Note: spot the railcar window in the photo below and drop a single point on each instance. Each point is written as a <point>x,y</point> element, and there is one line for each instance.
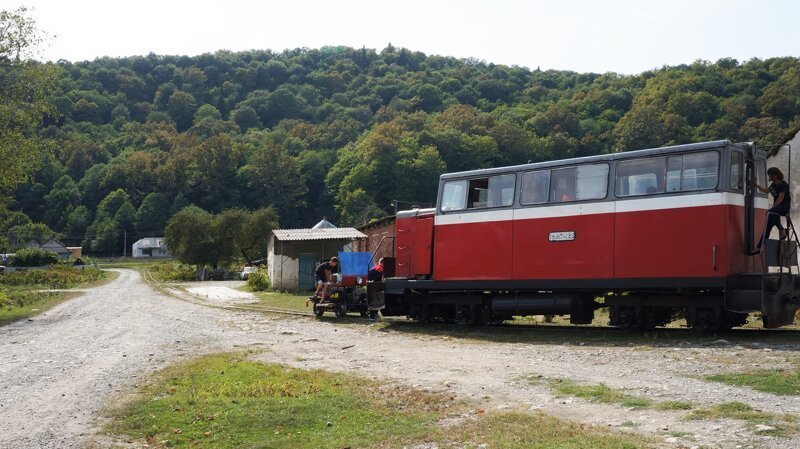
<point>592,182</point>
<point>737,171</point>
<point>641,177</point>
<point>501,190</point>
<point>700,171</point>
<point>562,185</point>
<point>535,185</point>
<point>761,175</point>
<point>696,171</point>
<point>587,182</point>
<point>674,165</point>
<point>478,195</point>
<point>454,196</point>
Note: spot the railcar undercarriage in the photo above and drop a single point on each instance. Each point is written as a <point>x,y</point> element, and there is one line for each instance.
<point>776,297</point>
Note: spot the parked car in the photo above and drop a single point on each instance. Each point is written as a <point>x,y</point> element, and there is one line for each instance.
<point>218,274</point>
<point>246,272</point>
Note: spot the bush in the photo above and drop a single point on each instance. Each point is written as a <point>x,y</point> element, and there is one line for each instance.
<point>170,272</point>
<point>57,277</point>
<point>258,281</point>
<point>34,257</point>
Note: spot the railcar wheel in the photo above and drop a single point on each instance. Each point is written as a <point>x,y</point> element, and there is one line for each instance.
<point>318,311</point>
<point>364,313</point>
<point>340,310</point>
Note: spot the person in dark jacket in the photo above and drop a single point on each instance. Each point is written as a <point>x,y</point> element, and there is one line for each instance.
<point>323,276</point>
<point>781,206</point>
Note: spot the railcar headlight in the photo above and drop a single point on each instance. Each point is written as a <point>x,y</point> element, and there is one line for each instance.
<point>359,281</point>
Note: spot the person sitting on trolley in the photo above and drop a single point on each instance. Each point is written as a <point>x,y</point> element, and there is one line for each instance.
<point>323,276</point>
<point>782,203</point>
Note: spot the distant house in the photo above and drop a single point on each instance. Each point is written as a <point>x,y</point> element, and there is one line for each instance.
<point>293,254</point>
<point>54,246</point>
<point>150,247</point>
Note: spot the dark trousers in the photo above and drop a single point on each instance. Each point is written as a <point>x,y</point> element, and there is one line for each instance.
<point>773,220</point>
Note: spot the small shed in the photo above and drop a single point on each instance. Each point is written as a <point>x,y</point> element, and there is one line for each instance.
<point>54,246</point>
<point>293,254</point>
<point>150,247</point>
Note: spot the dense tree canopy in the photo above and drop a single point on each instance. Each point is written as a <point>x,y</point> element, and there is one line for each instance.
<point>345,132</point>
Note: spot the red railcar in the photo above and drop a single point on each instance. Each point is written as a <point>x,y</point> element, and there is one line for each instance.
<point>652,234</point>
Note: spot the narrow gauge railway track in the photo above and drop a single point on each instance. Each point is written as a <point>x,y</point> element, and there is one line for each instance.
<point>184,295</point>
<point>738,332</point>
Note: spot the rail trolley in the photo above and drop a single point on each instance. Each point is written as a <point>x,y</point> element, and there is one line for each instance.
<point>654,235</point>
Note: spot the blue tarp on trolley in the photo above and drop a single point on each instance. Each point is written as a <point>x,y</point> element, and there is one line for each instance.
<point>354,263</point>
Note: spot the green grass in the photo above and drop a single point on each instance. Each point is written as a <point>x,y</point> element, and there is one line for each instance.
<point>283,300</point>
<point>674,405</point>
<point>607,395</point>
<point>781,382</point>
<point>24,301</point>
<point>226,401</point>
<point>599,393</point>
<point>37,302</point>
<point>535,431</point>
<point>783,424</point>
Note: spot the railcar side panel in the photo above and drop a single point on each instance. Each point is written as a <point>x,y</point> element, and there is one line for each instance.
<point>678,242</point>
<point>473,246</point>
<point>577,246</point>
<point>423,248</point>
<point>406,229</point>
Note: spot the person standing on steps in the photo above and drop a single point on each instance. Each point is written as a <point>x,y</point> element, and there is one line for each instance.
<point>781,206</point>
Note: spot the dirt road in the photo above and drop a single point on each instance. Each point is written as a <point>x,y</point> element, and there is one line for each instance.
<point>58,370</point>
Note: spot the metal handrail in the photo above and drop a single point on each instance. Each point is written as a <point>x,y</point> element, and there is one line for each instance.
<point>372,257</point>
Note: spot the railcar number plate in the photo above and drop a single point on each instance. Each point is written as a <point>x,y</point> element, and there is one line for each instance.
<point>562,236</point>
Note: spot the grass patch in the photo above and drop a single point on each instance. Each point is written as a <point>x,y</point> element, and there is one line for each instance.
<point>781,424</point>
<point>23,294</point>
<point>781,382</point>
<point>674,405</point>
<point>284,300</point>
<point>225,401</point>
<point>599,393</point>
<point>34,304</point>
<point>536,431</point>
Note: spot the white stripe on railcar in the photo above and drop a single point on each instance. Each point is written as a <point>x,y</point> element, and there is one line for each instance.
<point>606,207</point>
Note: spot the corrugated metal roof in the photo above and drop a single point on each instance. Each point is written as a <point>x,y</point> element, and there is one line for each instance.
<point>324,224</point>
<point>318,234</point>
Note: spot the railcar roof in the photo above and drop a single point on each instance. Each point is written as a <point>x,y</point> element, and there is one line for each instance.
<point>589,159</point>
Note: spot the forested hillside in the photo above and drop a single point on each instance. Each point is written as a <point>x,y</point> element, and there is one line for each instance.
<point>343,132</point>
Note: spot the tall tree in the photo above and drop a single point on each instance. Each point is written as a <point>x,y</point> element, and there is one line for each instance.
<point>25,91</point>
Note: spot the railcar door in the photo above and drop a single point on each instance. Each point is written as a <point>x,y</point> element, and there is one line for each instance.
<point>670,219</point>
<point>564,228</point>
<point>474,228</point>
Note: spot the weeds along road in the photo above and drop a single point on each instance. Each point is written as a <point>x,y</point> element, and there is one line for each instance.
<point>59,370</point>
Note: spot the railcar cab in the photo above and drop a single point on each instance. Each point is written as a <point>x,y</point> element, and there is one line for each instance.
<point>657,234</point>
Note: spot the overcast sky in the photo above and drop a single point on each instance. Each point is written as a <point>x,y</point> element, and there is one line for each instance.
<point>624,36</point>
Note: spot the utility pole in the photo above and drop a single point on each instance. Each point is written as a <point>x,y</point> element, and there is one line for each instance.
<point>125,244</point>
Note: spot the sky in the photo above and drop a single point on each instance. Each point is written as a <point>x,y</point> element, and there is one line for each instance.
<point>622,36</point>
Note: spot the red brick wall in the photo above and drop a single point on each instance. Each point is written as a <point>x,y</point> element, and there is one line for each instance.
<point>374,237</point>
